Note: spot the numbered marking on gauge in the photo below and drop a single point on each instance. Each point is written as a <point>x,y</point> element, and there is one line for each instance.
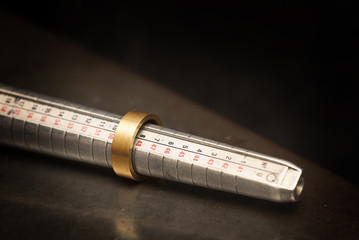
<point>209,157</point>
<point>50,116</point>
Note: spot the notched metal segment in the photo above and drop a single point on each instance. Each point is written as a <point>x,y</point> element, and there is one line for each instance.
<point>45,139</point>
<point>184,172</point>
<point>214,178</point>
<point>5,129</point>
<point>85,149</point>
<point>31,136</point>
<point>228,182</point>
<point>141,162</point>
<point>99,152</point>
<point>199,175</point>
<point>155,165</point>
<point>170,168</point>
<point>18,133</point>
<point>58,142</point>
<point>71,145</point>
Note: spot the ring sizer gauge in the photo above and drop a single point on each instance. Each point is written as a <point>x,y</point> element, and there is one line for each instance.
<point>136,146</point>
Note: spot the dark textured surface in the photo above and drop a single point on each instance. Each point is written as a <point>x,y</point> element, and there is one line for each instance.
<point>43,197</point>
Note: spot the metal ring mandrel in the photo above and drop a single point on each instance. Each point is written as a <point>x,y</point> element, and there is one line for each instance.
<point>122,145</point>
<point>135,149</point>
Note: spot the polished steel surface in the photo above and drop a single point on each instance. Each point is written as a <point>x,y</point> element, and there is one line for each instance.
<point>181,157</point>
<point>72,131</point>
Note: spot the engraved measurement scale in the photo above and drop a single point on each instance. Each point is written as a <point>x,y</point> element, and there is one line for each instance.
<point>136,146</point>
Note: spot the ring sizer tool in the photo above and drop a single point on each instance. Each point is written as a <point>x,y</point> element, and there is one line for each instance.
<point>136,145</point>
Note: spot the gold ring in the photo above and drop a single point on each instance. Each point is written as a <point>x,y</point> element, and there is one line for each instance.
<point>124,138</point>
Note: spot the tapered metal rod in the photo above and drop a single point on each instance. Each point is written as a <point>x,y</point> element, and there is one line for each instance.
<point>135,146</point>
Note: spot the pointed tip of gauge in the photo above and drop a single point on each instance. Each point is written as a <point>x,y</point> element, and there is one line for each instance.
<point>299,188</point>
<point>292,195</point>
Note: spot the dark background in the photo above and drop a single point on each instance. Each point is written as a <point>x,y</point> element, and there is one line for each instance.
<point>286,71</point>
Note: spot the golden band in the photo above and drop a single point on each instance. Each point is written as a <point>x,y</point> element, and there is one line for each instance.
<point>122,145</point>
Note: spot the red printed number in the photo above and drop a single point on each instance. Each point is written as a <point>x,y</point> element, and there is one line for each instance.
<point>57,121</point>
<point>181,154</point>
<point>111,136</point>
<point>196,158</point>
<point>153,147</point>
<point>139,143</point>
<point>167,151</point>
<point>70,125</point>
<point>225,165</point>
<point>3,108</point>
<point>17,111</point>
<point>97,132</point>
<point>210,162</point>
<point>43,118</point>
<point>84,128</point>
<point>30,115</point>
<point>240,169</point>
